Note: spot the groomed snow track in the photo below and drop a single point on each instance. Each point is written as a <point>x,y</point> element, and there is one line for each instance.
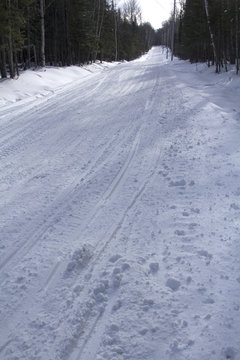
<point>119,217</point>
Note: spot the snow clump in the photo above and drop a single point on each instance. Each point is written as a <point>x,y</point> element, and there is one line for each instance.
<point>79,259</point>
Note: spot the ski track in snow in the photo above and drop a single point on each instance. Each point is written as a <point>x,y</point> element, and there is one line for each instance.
<point>119,215</point>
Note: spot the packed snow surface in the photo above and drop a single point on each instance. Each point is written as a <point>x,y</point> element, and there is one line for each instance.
<point>120,213</point>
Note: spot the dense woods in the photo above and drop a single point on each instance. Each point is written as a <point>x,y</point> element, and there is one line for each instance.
<point>205,30</point>
<point>67,32</point>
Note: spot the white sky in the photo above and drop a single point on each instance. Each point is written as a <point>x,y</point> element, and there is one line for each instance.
<point>156,11</point>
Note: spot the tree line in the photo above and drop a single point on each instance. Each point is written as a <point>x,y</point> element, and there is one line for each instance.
<point>69,32</point>
<point>205,31</point>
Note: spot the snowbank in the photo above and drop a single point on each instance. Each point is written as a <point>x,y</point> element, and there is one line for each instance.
<point>44,82</point>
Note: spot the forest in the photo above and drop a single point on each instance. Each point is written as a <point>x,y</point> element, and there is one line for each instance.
<point>204,31</point>
<point>69,32</point>
<point>72,32</point>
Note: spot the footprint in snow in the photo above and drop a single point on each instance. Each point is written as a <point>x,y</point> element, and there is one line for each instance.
<point>79,259</point>
<point>99,292</point>
<point>229,353</point>
<point>147,304</point>
<point>234,206</point>
<point>205,254</point>
<point>208,301</point>
<point>180,232</point>
<point>173,284</point>
<point>196,210</point>
<point>116,278</point>
<point>115,258</point>
<point>177,183</point>
<point>154,267</point>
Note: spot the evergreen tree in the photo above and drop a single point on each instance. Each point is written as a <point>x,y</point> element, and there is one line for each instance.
<point>66,32</point>
<point>206,30</point>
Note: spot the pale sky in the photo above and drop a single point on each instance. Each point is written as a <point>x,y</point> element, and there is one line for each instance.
<point>154,11</point>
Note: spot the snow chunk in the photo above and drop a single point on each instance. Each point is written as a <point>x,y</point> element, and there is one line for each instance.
<point>209,301</point>
<point>116,278</point>
<point>99,292</point>
<point>205,254</point>
<point>178,183</point>
<point>229,353</point>
<point>235,206</point>
<point>79,259</point>
<point>173,284</point>
<point>125,266</point>
<point>180,232</point>
<point>154,267</point>
<point>115,258</point>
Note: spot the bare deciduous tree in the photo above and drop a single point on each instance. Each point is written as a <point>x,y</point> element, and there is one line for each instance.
<point>132,11</point>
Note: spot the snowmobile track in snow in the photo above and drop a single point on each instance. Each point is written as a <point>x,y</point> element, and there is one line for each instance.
<point>120,218</point>
<point>28,244</point>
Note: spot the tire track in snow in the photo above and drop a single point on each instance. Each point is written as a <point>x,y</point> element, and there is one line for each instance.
<point>118,178</point>
<point>3,347</point>
<point>57,267</point>
<point>102,245</point>
<point>107,195</point>
<point>116,181</point>
<point>25,247</point>
<point>112,187</point>
<point>112,234</point>
<point>115,184</point>
<point>12,132</point>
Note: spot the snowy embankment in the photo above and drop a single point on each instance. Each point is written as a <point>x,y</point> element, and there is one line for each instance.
<point>39,83</point>
<point>120,215</point>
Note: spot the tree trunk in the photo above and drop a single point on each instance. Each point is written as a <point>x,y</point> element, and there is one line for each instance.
<point>173,29</point>
<point>99,26</point>
<point>211,35</point>
<point>28,39</point>
<point>68,59</point>
<point>10,43</point>
<point>43,59</point>
<point>115,32</point>
<point>237,39</point>
<point>3,69</point>
<point>16,63</point>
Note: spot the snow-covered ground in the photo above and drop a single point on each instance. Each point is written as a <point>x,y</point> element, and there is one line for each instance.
<point>120,213</point>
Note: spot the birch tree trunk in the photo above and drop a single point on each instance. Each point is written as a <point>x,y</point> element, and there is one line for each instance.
<point>211,35</point>
<point>115,31</point>
<point>28,39</point>
<point>99,25</point>
<point>10,43</point>
<point>173,29</point>
<point>43,59</point>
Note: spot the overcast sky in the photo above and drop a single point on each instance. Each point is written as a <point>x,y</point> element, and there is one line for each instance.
<point>154,11</point>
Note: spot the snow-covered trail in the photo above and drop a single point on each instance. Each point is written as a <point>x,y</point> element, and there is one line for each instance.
<point>119,213</point>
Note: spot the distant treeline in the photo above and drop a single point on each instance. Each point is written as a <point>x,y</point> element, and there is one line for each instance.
<point>206,31</point>
<point>69,32</point>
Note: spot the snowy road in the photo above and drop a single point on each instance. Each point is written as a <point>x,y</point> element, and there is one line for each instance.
<point>119,215</point>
